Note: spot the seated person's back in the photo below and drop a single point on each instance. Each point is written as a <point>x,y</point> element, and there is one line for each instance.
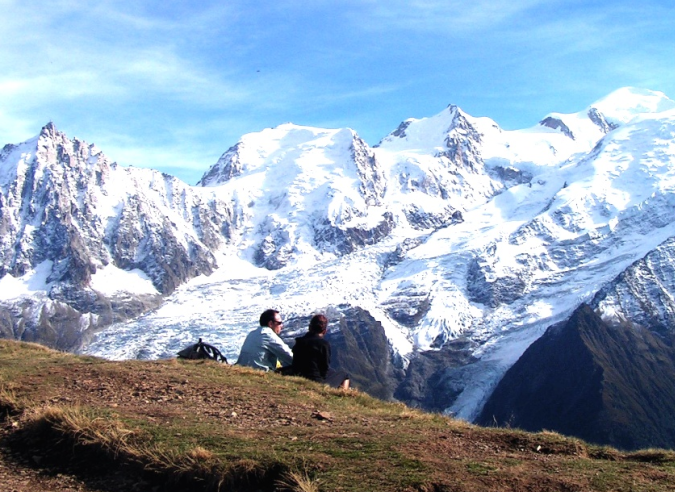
<point>311,356</point>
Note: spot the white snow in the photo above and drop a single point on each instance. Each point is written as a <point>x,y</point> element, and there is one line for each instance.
<point>626,103</point>
<point>32,283</point>
<point>111,280</point>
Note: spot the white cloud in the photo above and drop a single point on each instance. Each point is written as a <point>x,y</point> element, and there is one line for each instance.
<point>456,17</point>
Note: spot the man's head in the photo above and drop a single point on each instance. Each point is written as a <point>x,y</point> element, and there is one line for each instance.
<point>272,319</point>
<point>318,324</point>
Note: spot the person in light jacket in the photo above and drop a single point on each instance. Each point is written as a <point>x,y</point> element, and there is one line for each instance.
<point>263,348</point>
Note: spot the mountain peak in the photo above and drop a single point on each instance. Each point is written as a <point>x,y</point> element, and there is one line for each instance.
<point>625,103</point>
<point>49,130</point>
<point>429,132</point>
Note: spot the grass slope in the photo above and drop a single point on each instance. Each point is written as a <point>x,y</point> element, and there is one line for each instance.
<point>215,427</point>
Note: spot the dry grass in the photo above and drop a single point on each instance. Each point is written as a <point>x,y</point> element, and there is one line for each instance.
<point>83,426</point>
<point>9,403</point>
<point>209,427</point>
<point>109,438</point>
<point>297,482</point>
<point>653,456</point>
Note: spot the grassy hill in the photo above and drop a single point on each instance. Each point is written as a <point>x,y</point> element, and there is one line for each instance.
<point>205,426</point>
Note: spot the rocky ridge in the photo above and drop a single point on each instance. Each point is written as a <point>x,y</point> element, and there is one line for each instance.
<point>605,384</point>
<point>68,212</point>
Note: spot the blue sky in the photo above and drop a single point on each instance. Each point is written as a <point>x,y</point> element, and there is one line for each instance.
<point>172,84</point>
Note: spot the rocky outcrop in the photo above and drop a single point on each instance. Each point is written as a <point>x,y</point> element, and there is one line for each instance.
<point>345,240</point>
<point>605,384</point>
<point>643,293</point>
<point>372,182</point>
<point>229,165</point>
<point>433,379</point>
<point>557,124</point>
<point>421,219</point>
<point>360,347</point>
<point>69,206</point>
<point>599,119</point>
<point>463,142</point>
<point>486,287</point>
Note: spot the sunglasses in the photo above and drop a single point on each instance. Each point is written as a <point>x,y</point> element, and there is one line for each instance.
<point>275,322</point>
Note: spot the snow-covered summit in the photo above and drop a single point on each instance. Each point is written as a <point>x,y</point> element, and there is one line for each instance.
<point>624,104</point>
<point>70,221</point>
<point>301,191</point>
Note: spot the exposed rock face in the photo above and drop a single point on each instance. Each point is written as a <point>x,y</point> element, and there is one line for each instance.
<point>361,348</point>
<point>486,288</point>
<point>400,131</point>
<point>63,202</point>
<point>372,182</point>
<point>408,305</point>
<point>557,124</point>
<point>228,166</point>
<point>599,119</point>
<point>432,380</point>
<point>606,384</point>
<point>423,220</point>
<point>347,240</point>
<point>463,143</point>
<point>511,176</point>
<point>643,293</point>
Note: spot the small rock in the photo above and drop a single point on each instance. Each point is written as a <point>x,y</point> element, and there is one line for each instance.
<point>322,415</point>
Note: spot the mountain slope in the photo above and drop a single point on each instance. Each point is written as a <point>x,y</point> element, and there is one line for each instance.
<point>608,385</point>
<point>93,242</point>
<point>457,241</point>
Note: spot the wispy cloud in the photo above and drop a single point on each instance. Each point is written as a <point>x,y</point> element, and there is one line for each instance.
<point>456,17</point>
<point>184,79</point>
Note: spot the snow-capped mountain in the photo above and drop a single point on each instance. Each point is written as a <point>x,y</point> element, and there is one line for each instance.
<point>456,241</point>
<point>302,192</point>
<point>86,242</point>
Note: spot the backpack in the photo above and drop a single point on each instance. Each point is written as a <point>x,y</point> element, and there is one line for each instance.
<point>201,350</point>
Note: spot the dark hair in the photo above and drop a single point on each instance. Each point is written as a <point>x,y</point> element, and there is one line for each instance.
<point>318,324</point>
<point>267,316</point>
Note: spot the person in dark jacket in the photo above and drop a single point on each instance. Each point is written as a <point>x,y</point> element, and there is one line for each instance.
<point>311,356</point>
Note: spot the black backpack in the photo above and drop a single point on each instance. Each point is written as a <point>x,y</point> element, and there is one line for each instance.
<point>201,350</point>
